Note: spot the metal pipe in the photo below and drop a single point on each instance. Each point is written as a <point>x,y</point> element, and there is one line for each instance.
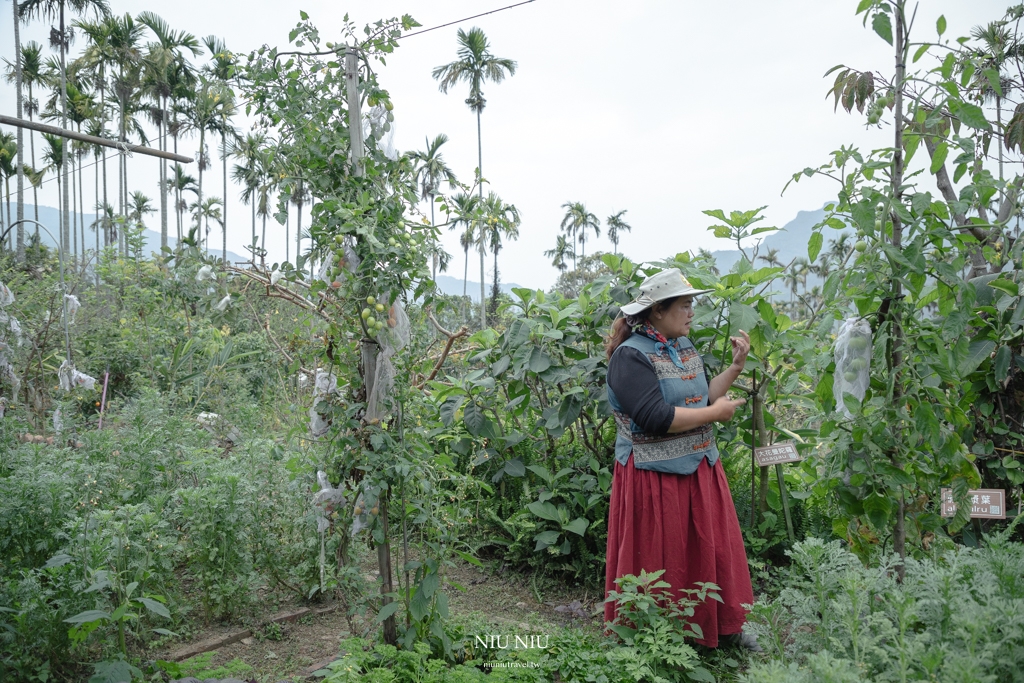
<point>82,137</point>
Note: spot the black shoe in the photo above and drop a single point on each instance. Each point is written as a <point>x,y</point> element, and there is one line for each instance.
<point>745,640</point>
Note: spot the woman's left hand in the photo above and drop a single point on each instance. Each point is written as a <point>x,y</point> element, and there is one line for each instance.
<point>740,349</point>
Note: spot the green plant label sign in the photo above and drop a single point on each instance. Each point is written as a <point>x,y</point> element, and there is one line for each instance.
<point>985,503</point>
<point>776,454</point>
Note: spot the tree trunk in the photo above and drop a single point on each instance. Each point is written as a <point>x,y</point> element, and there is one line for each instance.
<point>162,129</point>
<point>896,357</point>
<point>483,298</point>
<point>199,200</point>
<point>433,257</point>
<point>480,184</point>
<point>224,205</point>
<point>20,140</point>
<point>65,214</point>
<point>32,147</point>
<point>97,224</point>
<point>81,198</point>
<point>74,211</point>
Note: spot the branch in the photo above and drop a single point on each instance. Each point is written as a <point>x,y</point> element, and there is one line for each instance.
<point>463,331</point>
<point>265,324</point>
<point>949,194</point>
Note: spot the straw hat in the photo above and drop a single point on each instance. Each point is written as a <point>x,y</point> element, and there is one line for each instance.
<point>664,285</point>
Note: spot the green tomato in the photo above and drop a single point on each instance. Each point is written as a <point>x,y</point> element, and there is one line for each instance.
<point>371,321</point>
<point>850,376</point>
<point>379,307</point>
<point>370,300</point>
<point>858,343</point>
<point>365,313</point>
<point>861,246</point>
<point>858,364</point>
<point>339,238</point>
<point>392,242</point>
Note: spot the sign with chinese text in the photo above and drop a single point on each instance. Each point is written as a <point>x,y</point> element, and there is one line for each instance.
<point>985,503</point>
<point>776,454</point>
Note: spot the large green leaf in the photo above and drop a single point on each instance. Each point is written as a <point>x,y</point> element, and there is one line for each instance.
<point>87,616</point>
<point>539,361</point>
<point>546,538</point>
<point>883,26</point>
<point>976,354</point>
<point>449,408</point>
<point>742,317</point>
<point>577,526</point>
<point>429,585</point>
<point>476,421</point>
<point>387,611</point>
<point>544,510</point>
<point>814,245</point>
<point>156,607</point>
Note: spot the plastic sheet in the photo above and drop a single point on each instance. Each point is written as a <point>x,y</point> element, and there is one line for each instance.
<point>6,296</point>
<point>73,304</point>
<point>70,378</point>
<point>206,273</point>
<point>324,387</point>
<point>853,362</point>
<point>58,421</point>
<point>222,305</point>
<point>392,340</point>
<point>275,277</point>
<point>219,427</point>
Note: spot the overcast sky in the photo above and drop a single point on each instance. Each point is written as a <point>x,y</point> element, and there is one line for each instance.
<point>661,108</point>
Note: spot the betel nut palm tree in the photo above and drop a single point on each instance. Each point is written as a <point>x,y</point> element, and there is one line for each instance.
<point>160,62</point>
<point>577,222</point>
<point>430,171</point>
<point>475,66</point>
<point>60,39</point>
<point>616,225</point>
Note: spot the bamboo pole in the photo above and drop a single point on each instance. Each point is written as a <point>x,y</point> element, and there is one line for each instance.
<point>92,139</point>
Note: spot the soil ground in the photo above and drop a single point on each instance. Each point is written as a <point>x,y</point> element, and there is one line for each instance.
<point>294,650</point>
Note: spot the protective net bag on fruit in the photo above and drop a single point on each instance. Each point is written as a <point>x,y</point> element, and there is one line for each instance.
<point>324,387</point>
<point>70,378</point>
<point>73,304</point>
<point>853,362</point>
<point>392,338</point>
<point>325,502</point>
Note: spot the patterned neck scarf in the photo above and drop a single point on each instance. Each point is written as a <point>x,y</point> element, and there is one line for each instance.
<point>661,344</point>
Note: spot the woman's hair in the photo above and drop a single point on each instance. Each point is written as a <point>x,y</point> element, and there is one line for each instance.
<point>622,328</point>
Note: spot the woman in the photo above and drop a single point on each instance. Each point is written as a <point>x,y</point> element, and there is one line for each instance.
<point>671,507</point>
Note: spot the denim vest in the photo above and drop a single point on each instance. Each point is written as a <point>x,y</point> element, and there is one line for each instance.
<point>687,388</point>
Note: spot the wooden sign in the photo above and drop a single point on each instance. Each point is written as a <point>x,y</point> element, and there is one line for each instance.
<point>985,503</point>
<point>776,454</point>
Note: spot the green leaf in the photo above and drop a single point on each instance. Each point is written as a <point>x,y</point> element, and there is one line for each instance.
<point>976,354</point>
<point>742,317</point>
<point>940,24</point>
<point>864,5</point>
<point>544,510</point>
<point>700,674</point>
<point>476,421</point>
<point>920,51</point>
<point>883,26</point>
<point>546,538</point>
<point>419,606</point>
<point>469,558</point>
<point>303,15</point>
<point>1002,364</point>
<point>449,408</point>
<point>721,231</point>
<point>814,245</point>
<point>156,607</point>
<point>388,610</point>
<point>939,158</point>
<point>539,361</point>
<point>569,410</point>
<point>993,80</point>
<point>58,560</point>
<point>430,584</point>
<point>970,115</point>
<point>515,468</point>
<point>115,671</point>
<point>87,616</point>
<point>1004,285</point>
<point>577,526</point>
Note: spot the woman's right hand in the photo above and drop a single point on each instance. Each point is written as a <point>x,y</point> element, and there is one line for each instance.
<point>727,407</point>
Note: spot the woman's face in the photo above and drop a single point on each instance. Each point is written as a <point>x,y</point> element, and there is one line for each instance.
<point>674,320</point>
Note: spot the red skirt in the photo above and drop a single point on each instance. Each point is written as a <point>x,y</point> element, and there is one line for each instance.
<point>686,525</point>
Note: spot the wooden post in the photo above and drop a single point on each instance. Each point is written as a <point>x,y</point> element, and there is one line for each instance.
<point>355,119</point>
<point>784,495</point>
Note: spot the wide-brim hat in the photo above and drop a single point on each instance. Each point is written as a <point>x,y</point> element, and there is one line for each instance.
<point>664,285</point>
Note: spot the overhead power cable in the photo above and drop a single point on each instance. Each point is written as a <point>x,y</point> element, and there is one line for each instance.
<point>459,21</point>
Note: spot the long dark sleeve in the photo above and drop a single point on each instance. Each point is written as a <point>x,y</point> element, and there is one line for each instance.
<point>631,376</point>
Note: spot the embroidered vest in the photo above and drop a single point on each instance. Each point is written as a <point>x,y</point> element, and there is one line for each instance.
<point>688,388</point>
